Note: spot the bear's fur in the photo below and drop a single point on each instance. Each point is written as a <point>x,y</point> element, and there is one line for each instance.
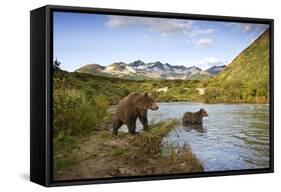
<point>133,106</point>
<point>194,118</point>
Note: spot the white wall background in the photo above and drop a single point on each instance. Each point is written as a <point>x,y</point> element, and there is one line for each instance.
<point>14,96</point>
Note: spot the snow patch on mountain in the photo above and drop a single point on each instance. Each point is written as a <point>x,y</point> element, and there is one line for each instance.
<point>154,70</point>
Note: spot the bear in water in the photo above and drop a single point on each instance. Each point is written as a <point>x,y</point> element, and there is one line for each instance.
<point>194,118</point>
<point>133,106</point>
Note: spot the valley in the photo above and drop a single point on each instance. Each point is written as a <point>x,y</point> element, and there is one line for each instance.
<point>244,80</point>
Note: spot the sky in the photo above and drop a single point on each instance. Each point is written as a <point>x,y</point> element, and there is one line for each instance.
<point>81,38</point>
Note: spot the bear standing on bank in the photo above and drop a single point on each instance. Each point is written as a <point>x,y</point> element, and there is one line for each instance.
<point>134,106</point>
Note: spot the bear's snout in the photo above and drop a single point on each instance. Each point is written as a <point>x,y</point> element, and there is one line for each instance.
<point>154,107</point>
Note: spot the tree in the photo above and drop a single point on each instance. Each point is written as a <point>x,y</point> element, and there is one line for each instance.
<point>57,64</point>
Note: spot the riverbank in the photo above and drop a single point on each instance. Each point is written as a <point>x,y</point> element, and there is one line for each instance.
<point>105,155</point>
<point>207,91</point>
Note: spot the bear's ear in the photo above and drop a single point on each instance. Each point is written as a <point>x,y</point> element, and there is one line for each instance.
<point>145,94</point>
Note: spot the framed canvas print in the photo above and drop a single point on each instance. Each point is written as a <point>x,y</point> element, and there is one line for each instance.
<point>122,95</point>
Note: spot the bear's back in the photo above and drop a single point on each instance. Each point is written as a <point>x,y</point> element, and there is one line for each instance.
<point>188,117</point>
<point>128,103</point>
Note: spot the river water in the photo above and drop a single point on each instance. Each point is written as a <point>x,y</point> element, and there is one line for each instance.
<point>232,137</point>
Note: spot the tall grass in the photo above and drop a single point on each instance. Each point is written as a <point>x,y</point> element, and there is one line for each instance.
<point>75,114</point>
<point>147,154</point>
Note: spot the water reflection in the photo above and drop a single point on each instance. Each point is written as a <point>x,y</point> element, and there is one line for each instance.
<point>197,127</point>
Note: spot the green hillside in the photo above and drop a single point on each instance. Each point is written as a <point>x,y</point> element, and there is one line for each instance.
<point>246,78</point>
<point>250,65</point>
<point>114,89</point>
<point>90,69</point>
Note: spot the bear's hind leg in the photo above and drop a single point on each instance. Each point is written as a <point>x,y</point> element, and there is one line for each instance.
<point>116,125</point>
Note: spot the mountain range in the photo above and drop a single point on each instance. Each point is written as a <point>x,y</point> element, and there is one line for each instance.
<point>152,70</point>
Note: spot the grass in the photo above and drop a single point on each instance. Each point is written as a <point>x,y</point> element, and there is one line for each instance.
<point>107,155</point>
<point>114,89</point>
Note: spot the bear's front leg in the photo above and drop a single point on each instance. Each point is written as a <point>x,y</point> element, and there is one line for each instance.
<point>132,126</point>
<point>143,119</point>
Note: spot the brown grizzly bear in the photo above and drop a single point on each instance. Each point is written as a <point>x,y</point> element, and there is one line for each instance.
<point>194,118</point>
<point>133,106</point>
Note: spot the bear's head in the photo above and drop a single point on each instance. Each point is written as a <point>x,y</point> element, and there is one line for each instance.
<point>149,102</point>
<point>203,112</point>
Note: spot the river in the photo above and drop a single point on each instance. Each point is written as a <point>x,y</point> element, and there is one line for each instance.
<point>232,137</point>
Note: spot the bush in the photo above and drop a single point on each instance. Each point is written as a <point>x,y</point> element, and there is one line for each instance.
<point>75,114</point>
<point>236,92</point>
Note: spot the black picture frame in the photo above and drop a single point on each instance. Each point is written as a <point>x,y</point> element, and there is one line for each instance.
<point>41,59</point>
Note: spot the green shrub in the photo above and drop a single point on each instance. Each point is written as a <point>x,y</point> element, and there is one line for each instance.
<point>236,92</point>
<point>75,114</point>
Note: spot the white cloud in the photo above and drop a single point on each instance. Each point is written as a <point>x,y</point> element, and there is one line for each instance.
<point>248,27</point>
<point>245,27</point>
<point>210,62</point>
<point>170,26</point>
<point>201,32</point>
<point>164,26</point>
<point>118,21</point>
<point>204,42</point>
